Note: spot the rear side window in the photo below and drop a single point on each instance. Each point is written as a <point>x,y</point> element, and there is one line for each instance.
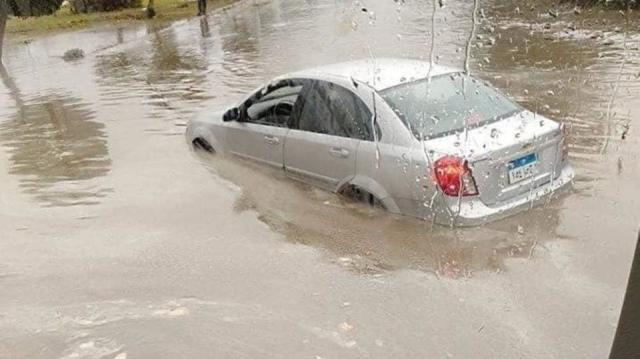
<point>333,110</point>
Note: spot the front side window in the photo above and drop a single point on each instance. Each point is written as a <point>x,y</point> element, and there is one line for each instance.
<point>447,104</point>
<point>333,110</point>
<point>273,106</point>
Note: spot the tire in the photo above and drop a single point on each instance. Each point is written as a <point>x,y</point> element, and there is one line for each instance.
<point>202,144</point>
<point>357,194</point>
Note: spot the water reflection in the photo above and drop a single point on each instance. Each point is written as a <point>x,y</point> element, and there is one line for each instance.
<point>14,91</point>
<point>55,147</point>
<point>204,26</point>
<point>168,74</point>
<point>120,35</point>
<point>240,45</point>
<point>117,69</point>
<point>168,62</point>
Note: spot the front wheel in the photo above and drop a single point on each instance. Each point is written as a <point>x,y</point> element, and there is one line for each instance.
<point>202,144</point>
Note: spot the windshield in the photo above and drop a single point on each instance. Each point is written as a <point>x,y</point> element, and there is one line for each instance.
<point>447,104</point>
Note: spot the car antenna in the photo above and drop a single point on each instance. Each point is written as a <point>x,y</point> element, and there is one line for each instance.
<point>353,81</point>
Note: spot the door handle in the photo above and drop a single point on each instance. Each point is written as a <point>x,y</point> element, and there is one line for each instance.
<point>272,140</point>
<point>339,152</point>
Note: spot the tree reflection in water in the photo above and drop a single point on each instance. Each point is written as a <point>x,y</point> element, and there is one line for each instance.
<point>55,147</point>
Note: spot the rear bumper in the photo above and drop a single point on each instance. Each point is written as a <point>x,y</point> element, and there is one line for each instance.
<point>473,212</point>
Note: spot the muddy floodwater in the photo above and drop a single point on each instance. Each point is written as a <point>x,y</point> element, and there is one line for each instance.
<point>118,241</point>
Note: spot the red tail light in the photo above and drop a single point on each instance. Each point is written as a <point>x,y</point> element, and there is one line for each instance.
<point>454,177</point>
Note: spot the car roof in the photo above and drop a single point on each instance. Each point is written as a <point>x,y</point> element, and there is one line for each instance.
<point>388,72</point>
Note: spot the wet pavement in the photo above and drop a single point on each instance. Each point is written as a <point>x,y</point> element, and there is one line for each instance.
<point>118,241</point>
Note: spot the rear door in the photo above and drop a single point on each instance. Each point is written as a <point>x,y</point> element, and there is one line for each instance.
<point>321,146</point>
<point>264,122</point>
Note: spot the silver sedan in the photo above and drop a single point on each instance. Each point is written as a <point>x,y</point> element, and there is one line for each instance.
<point>425,141</point>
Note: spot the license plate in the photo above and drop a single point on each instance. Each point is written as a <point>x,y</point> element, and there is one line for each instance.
<point>522,168</point>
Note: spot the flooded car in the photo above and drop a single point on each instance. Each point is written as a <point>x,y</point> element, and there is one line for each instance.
<point>468,153</point>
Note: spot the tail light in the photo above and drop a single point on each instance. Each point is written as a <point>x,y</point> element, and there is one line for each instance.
<point>454,177</point>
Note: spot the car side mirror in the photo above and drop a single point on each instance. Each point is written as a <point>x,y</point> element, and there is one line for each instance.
<point>231,114</point>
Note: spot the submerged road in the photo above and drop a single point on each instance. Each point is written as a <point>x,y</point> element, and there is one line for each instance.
<point>116,241</point>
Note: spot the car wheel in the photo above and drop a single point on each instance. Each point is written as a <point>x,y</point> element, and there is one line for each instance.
<point>357,194</point>
<point>202,144</point>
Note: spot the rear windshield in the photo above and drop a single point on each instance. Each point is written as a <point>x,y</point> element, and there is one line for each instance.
<point>447,104</point>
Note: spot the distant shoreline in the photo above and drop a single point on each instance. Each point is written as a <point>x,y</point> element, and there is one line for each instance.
<point>63,19</point>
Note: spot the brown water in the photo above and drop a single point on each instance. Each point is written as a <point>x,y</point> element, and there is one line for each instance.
<point>116,239</point>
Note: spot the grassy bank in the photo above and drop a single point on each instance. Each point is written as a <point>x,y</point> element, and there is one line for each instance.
<point>65,19</point>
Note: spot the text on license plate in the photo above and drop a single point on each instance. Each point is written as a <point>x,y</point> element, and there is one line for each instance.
<point>522,168</point>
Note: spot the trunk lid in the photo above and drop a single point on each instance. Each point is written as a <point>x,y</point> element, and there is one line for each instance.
<point>490,150</point>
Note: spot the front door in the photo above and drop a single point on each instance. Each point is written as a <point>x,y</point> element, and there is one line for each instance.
<point>264,121</point>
